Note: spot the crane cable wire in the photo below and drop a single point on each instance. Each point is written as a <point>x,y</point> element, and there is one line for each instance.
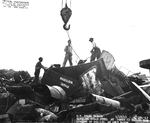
<point>65,3</point>
<point>71,46</point>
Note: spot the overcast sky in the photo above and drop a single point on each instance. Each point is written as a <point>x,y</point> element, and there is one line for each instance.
<point>121,27</point>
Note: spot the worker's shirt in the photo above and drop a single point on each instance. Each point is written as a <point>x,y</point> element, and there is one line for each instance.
<point>94,44</point>
<point>68,50</point>
<point>38,66</point>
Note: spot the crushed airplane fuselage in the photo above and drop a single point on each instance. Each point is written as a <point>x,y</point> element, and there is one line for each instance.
<point>100,85</point>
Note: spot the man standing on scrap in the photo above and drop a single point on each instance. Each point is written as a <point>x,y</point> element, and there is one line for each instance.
<point>38,67</point>
<point>95,52</point>
<point>68,55</point>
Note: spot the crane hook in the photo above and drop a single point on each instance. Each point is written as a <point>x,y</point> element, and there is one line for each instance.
<point>66,13</point>
<point>65,26</point>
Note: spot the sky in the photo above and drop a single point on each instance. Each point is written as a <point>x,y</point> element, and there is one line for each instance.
<point>121,27</point>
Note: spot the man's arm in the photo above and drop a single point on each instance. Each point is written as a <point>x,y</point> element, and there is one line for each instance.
<point>45,68</point>
<point>66,49</point>
<point>41,66</point>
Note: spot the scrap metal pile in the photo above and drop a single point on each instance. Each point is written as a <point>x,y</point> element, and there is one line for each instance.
<point>89,91</point>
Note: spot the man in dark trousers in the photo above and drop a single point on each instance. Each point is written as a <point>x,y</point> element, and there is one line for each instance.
<point>95,52</point>
<point>68,55</point>
<point>38,67</point>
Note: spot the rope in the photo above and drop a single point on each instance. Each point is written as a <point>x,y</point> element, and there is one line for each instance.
<point>75,53</point>
<point>71,46</point>
<point>68,34</point>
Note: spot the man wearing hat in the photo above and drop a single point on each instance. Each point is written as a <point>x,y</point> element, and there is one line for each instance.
<point>68,55</point>
<point>95,52</point>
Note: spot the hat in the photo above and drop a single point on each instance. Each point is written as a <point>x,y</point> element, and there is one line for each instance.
<point>91,39</point>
